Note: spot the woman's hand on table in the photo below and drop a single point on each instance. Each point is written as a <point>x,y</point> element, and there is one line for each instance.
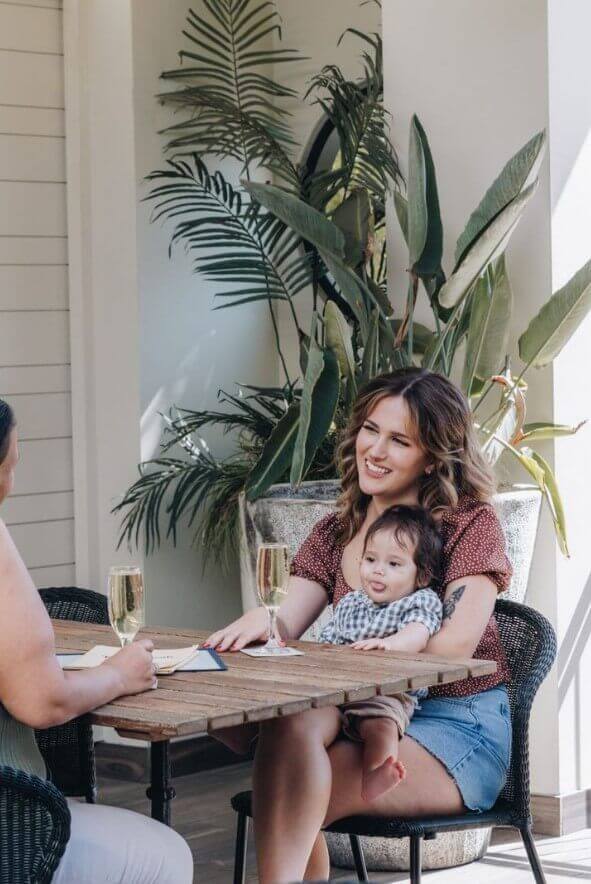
<point>251,627</point>
<point>135,667</point>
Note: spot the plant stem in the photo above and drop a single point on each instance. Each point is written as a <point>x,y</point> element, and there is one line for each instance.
<point>278,345</point>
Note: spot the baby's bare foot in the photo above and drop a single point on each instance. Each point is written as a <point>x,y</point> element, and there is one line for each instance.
<point>385,777</point>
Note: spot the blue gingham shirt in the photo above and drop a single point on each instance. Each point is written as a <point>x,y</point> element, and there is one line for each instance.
<point>357,617</point>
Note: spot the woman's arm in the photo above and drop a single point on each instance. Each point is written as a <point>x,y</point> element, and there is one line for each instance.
<point>305,601</point>
<point>467,607</point>
<point>33,687</point>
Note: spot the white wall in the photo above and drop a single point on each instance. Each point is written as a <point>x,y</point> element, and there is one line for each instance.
<point>483,77</point>
<point>34,307</point>
<point>570,177</point>
<point>187,351</point>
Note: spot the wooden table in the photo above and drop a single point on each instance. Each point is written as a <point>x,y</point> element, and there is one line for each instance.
<point>251,690</point>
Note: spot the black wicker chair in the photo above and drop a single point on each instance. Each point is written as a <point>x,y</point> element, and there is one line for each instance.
<point>530,645</point>
<point>34,828</point>
<point>68,750</point>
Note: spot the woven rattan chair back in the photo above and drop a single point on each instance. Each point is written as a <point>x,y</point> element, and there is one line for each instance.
<point>68,750</point>
<point>530,646</point>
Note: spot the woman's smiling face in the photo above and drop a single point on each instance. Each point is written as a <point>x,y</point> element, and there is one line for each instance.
<point>390,460</point>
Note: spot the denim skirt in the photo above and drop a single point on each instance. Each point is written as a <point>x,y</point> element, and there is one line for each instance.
<point>471,737</point>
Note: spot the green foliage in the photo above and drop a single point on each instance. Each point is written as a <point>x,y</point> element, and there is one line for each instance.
<point>276,242</point>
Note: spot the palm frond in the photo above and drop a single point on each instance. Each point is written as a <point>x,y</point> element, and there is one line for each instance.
<point>233,107</point>
<point>255,414</point>
<point>356,109</point>
<point>200,491</point>
<point>250,252</point>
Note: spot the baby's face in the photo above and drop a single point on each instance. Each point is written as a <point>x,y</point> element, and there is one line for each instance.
<point>387,570</point>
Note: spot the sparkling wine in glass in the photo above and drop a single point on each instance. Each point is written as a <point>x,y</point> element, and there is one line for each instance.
<point>272,579</point>
<point>126,601</point>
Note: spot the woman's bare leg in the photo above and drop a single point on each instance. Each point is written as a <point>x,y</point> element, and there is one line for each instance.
<point>291,790</point>
<point>318,868</point>
<point>426,789</point>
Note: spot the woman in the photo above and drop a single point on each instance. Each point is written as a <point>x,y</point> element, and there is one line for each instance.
<point>410,440</point>
<point>106,843</point>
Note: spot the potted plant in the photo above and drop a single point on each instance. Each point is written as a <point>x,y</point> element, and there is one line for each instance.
<point>278,242</point>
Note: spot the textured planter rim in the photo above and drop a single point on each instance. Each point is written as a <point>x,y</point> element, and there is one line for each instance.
<point>289,494</point>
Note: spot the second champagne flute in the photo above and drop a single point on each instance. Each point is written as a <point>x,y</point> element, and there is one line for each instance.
<point>272,579</point>
<point>126,601</point>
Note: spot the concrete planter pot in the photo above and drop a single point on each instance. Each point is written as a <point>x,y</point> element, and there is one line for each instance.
<point>288,516</point>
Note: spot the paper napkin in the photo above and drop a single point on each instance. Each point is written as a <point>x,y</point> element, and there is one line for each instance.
<point>166,661</point>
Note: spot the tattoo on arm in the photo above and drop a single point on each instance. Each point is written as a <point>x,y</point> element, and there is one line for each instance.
<point>449,604</point>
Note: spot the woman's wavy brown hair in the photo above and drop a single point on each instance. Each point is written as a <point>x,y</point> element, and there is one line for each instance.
<point>444,430</point>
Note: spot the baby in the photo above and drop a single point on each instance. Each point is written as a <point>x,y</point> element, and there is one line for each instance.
<point>395,610</point>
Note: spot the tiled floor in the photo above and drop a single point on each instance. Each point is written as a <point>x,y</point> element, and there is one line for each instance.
<point>202,814</point>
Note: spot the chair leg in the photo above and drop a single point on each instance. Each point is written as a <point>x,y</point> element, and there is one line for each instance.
<point>532,855</point>
<point>358,858</point>
<point>415,859</point>
<point>241,846</point>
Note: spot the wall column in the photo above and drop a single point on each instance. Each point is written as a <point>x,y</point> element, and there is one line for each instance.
<point>103,273</point>
<point>483,77</point>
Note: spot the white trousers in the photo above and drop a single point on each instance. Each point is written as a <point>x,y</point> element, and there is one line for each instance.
<point>109,845</point>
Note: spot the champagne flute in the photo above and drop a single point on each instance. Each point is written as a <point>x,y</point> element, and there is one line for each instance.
<point>126,601</point>
<point>272,579</point>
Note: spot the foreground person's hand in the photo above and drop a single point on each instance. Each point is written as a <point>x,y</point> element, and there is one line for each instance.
<point>135,667</point>
<point>251,627</point>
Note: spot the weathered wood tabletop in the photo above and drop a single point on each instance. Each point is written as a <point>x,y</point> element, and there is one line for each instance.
<point>255,689</point>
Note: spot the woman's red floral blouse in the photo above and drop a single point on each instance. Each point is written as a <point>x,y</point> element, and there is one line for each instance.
<point>473,544</point>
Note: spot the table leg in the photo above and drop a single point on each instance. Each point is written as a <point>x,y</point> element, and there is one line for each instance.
<point>160,792</point>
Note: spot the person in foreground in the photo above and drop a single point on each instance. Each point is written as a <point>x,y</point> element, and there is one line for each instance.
<point>395,610</point>
<point>410,440</point>
<point>106,843</point>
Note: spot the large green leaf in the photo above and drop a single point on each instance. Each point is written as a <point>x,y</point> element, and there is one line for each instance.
<point>417,213</point>
<point>422,337</point>
<point>354,217</point>
<point>309,223</point>
<point>371,352</point>
<point>320,396</point>
<point>338,339</point>
<point>488,331</point>
<point>401,207</point>
<point>350,288</point>
<point>554,500</point>
<point>505,425</point>
<point>518,173</point>
<point>557,321</point>
<point>541,431</point>
<point>380,297</point>
<point>276,454</point>
<point>490,245</point>
<point>429,261</point>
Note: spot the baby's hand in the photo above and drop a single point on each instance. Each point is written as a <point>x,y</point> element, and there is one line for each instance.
<point>371,644</point>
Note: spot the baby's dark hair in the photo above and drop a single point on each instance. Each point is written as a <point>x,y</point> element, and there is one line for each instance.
<point>413,524</point>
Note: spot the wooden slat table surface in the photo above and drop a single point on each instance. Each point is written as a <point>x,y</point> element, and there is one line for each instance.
<point>255,689</point>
